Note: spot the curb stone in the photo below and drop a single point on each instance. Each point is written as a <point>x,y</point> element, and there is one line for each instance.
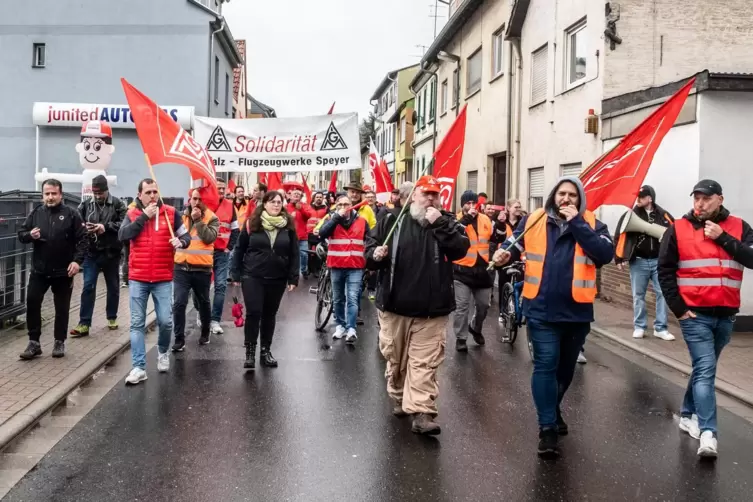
<point>722,386</point>
<point>25,419</point>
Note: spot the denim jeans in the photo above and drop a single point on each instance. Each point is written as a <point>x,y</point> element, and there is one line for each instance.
<point>555,353</point>
<point>183,283</point>
<point>221,268</point>
<point>705,336</point>
<point>643,270</point>
<point>162,293</point>
<point>346,288</point>
<point>109,268</point>
<point>303,246</point>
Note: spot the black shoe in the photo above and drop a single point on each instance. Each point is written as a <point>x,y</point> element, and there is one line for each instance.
<point>250,362</point>
<point>179,345</point>
<point>306,276</point>
<point>359,321</point>
<point>59,349</point>
<point>548,444</point>
<point>33,350</point>
<point>562,429</point>
<point>398,411</point>
<point>204,339</point>
<point>424,424</point>
<point>461,345</point>
<point>266,359</point>
<point>477,336</point>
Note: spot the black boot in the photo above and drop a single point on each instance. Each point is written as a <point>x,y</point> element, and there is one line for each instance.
<point>250,357</point>
<point>266,358</point>
<point>33,350</point>
<point>548,444</point>
<point>58,350</point>
<point>423,423</point>
<point>461,345</point>
<point>477,336</point>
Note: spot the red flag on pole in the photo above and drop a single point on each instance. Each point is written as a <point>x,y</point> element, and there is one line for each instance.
<point>333,183</point>
<point>381,174</point>
<point>164,141</point>
<point>263,178</point>
<point>447,159</point>
<point>616,177</point>
<point>274,181</point>
<point>231,186</point>
<point>306,189</point>
<point>331,108</point>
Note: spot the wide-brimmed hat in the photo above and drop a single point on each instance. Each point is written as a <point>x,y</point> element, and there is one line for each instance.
<point>355,187</point>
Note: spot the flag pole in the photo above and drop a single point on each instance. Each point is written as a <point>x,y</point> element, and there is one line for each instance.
<point>517,239</point>
<point>402,211</point>
<point>151,172</point>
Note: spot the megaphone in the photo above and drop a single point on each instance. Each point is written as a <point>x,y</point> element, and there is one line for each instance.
<point>631,222</point>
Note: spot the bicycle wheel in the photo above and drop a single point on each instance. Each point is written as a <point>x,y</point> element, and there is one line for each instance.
<point>508,320</point>
<point>511,311</point>
<point>530,345</point>
<point>324,304</point>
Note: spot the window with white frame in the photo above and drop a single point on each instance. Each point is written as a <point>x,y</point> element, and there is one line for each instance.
<point>403,127</point>
<point>535,188</point>
<point>472,181</point>
<point>39,56</point>
<point>575,52</point>
<point>423,110</point>
<point>571,169</point>
<point>227,94</point>
<point>538,75</point>
<point>432,100</point>
<point>444,96</point>
<point>498,52</point>
<point>473,76</point>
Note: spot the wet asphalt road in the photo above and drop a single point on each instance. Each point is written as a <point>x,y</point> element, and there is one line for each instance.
<point>318,428</point>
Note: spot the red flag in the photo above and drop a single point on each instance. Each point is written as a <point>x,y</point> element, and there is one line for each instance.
<point>616,177</point>
<point>231,186</point>
<point>274,181</point>
<point>263,178</point>
<point>164,141</point>
<point>447,159</point>
<point>380,173</point>
<point>333,183</point>
<point>306,189</point>
<point>331,108</point>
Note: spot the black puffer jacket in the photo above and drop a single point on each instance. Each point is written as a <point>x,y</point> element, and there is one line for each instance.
<point>416,278</point>
<point>63,239</point>
<point>261,260</point>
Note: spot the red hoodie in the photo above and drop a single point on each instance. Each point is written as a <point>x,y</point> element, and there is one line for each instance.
<point>301,216</point>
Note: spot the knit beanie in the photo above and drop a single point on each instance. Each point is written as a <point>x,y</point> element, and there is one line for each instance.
<point>468,196</point>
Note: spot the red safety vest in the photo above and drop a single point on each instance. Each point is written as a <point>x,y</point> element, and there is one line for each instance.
<point>224,213</point>
<point>151,257</point>
<point>314,220</point>
<point>346,246</point>
<point>707,276</point>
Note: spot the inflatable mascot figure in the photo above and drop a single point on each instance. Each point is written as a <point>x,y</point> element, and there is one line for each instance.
<point>94,154</point>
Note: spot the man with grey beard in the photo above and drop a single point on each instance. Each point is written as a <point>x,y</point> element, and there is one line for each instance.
<point>417,260</point>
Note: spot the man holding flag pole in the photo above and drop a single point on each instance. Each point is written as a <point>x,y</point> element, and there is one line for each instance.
<point>564,245</point>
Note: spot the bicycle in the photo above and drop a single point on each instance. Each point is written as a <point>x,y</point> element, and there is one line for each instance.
<point>512,304</point>
<point>322,290</point>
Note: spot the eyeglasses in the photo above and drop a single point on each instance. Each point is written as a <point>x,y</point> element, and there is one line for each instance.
<point>197,199</point>
<point>276,201</point>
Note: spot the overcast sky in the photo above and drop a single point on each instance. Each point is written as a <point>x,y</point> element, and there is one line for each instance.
<point>302,55</point>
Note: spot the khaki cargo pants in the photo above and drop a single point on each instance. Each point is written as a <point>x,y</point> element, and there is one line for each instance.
<point>414,349</point>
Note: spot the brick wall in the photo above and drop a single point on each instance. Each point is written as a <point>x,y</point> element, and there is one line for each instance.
<point>615,288</point>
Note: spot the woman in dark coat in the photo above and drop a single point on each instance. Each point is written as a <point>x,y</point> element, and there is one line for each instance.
<point>267,252</point>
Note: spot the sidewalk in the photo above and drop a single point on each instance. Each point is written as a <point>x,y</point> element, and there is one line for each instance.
<point>735,370</point>
<point>28,389</point>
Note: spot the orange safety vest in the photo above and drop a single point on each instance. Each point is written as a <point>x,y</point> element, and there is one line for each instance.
<point>241,212</point>
<point>707,276</point>
<point>197,253</point>
<point>479,242</point>
<point>224,214</point>
<point>584,269</point>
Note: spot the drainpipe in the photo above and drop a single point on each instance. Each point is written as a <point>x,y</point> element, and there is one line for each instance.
<point>211,53</point>
<point>519,83</point>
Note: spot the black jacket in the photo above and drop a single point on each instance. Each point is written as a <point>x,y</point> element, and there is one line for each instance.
<point>110,214</point>
<point>63,239</point>
<point>740,250</point>
<point>477,276</point>
<point>261,260</point>
<point>416,278</point>
<point>632,245</point>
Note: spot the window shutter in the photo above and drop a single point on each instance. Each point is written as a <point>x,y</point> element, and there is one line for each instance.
<point>472,181</point>
<point>535,188</point>
<point>572,169</point>
<point>538,75</point>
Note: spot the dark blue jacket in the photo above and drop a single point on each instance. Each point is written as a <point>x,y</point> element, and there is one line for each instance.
<point>555,303</point>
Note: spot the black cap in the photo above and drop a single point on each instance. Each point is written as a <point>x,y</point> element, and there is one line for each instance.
<point>707,187</point>
<point>645,191</point>
<point>100,183</point>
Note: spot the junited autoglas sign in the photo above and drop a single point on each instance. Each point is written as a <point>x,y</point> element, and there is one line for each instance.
<point>118,116</point>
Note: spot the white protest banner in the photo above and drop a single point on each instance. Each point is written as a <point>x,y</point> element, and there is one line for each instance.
<point>322,143</point>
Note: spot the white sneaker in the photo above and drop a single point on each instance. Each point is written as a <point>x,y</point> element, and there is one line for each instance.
<point>339,333</point>
<point>135,376</point>
<point>708,447</point>
<point>163,362</point>
<point>352,337</point>
<point>198,319</point>
<point>638,333</point>
<point>664,335</point>
<point>215,328</point>
<point>690,425</point>
<point>582,358</point>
